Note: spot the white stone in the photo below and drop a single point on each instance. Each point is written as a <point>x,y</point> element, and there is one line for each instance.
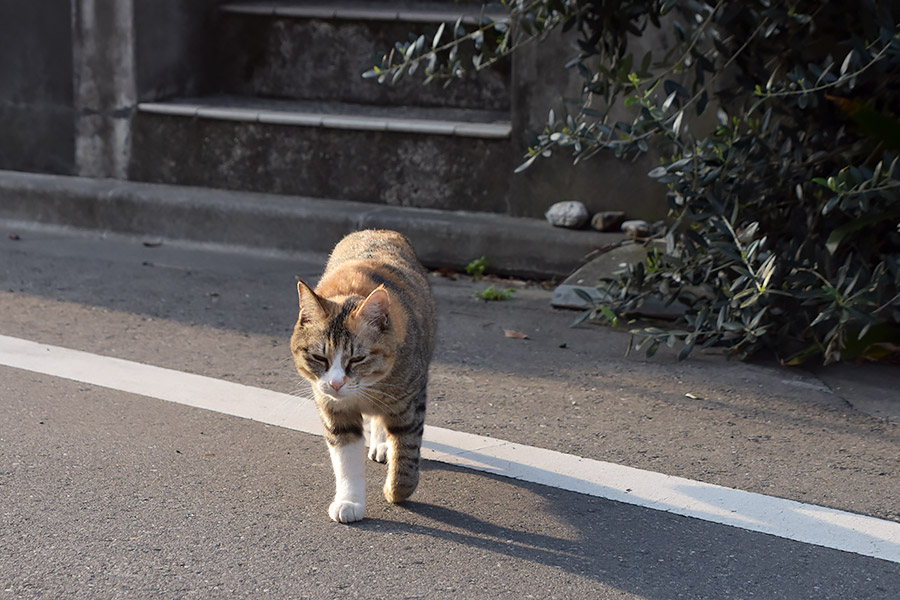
<point>571,214</point>
<point>636,227</point>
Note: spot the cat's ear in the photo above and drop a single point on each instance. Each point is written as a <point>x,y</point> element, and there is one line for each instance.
<point>375,308</point>
<point>310,305</point>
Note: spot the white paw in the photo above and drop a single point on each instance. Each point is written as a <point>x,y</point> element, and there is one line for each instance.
<point>378,452</point>
<point>343,511</point>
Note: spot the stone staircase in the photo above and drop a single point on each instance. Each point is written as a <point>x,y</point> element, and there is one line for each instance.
<point>289,113</point>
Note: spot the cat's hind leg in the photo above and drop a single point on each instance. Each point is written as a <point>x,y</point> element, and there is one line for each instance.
<point>404,441</point>
<point>378,448</point>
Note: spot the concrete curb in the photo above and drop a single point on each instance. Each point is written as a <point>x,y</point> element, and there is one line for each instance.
<point>513,245</point>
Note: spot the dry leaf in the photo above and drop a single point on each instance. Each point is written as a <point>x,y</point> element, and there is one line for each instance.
<point>448,273</point>
<point>512,333</point>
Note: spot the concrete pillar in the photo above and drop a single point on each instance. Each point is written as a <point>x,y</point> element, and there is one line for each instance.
<point>104,84</point>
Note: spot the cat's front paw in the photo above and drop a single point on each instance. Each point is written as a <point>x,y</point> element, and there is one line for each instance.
<point>344,511</point>
<point>378,452</point>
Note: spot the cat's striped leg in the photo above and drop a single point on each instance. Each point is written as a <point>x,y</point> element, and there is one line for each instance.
<point>404,440</point>
<point>347,449</point>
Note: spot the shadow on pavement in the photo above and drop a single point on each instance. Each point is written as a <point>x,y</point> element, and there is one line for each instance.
<point>637,550</point>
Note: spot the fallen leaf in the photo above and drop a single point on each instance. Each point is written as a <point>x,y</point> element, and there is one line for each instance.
<point>14,237</point>
<point>512,333</point>
<point>152,244</point>
<point>448,273</point>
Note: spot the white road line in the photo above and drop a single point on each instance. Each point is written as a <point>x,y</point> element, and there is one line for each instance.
<point>806,523</point>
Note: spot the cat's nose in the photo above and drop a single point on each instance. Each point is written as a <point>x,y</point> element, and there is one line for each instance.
<point>336,384</point>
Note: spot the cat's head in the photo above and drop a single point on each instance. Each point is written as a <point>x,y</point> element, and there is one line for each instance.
<point>345,345</point>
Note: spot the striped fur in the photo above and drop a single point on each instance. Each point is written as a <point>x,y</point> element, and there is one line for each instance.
<point>364,339</point>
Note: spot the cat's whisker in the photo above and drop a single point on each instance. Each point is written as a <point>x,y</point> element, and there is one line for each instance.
<point>373,390</point>
<point>403,386</point>
<point>376,401</point>
<point>381,403</point>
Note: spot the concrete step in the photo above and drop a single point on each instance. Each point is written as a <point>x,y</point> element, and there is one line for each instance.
<point>319,51</point>
<point>448,159</point>
<point>361,10</point>
<point>514,246</point>
<point>335,115</point>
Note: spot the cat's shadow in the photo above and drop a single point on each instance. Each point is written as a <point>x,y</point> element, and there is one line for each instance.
<point>602,540</point>
<point>485,528</point>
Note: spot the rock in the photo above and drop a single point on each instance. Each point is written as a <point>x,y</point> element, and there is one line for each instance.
<point>588,280</point>
<point>571,214</point>
<point>636,227</point>
<point>608,220</point>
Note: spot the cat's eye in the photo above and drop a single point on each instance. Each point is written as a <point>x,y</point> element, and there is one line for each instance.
<point>356,360</point>
<point>319,359</point>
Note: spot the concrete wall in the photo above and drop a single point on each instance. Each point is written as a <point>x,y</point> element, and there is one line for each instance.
<point>37,129</point>
<point>126,52</point>
<point>604,182</point>
<point>174,47</point>
<point>72,71</point>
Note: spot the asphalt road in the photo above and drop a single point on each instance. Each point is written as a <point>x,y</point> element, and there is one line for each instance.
<point>105,494</point>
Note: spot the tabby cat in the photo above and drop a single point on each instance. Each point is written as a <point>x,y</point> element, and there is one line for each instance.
<point>364,340</point>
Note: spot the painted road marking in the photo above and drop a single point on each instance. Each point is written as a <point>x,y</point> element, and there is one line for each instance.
<point>839,530</point>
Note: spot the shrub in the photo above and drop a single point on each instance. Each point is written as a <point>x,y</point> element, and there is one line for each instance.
<point>784,228</point>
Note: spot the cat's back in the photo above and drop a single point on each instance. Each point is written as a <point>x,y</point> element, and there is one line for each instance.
<point>375,246</point>
<point>365,260</point>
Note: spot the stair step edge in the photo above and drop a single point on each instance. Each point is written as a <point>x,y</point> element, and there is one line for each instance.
<point>362,13</point>
<point>500,130</point>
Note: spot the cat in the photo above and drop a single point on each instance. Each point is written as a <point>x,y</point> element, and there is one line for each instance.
<point>364,340</point>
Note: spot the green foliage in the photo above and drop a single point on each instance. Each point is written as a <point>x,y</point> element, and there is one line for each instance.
<point>492,294</point>
<point>477,267</point>
<point>784,229</point>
